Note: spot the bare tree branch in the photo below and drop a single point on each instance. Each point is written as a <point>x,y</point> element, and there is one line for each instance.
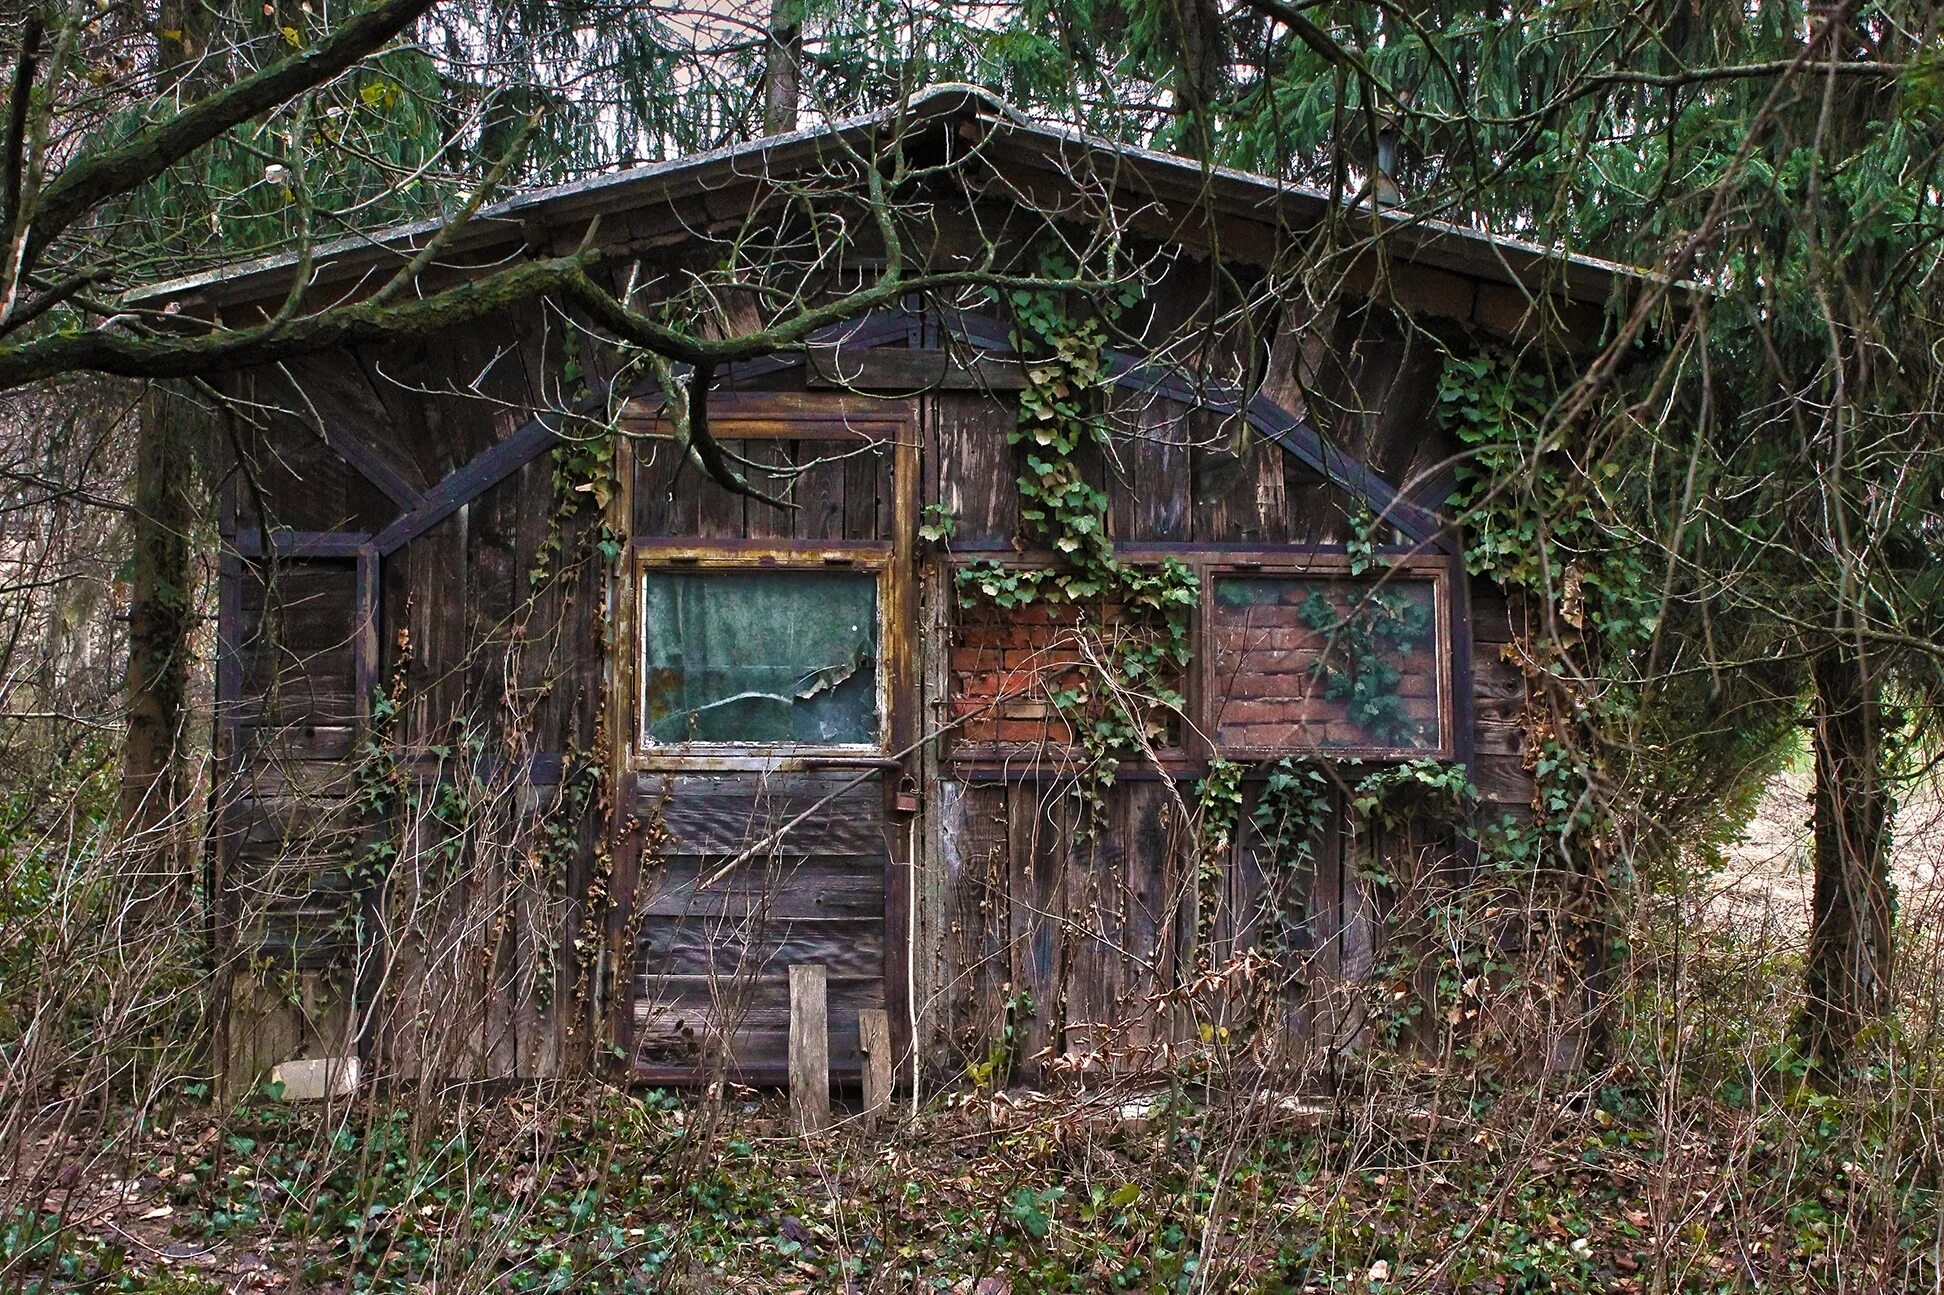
<point>16,139</point>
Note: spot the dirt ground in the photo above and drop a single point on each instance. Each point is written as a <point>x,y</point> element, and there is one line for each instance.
<point>1767,880</point>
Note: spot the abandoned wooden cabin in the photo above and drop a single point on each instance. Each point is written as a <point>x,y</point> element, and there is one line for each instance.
<point>542,749</point>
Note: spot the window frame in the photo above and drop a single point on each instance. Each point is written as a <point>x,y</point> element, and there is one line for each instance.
<point>764,415</point>
<point>1419,568</point>
<point>1212,562</point>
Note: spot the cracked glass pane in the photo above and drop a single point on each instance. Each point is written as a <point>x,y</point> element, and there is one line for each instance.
<point>746,657</point>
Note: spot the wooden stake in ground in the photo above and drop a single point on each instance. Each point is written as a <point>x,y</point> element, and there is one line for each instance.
<point>874,1040</point>
<point>809,1049</point>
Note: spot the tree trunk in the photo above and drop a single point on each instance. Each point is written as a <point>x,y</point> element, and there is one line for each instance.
<point>159,600</point>
<point>783,70</point>
<point>1847,981</point>
<point>160,615</point>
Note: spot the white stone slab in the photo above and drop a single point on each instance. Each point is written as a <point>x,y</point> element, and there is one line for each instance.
<point>317,1078</point>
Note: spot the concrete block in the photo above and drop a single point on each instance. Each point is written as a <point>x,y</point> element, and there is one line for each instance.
<point>317,1078</point>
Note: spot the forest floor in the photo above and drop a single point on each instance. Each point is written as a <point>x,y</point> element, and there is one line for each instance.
<point>1696,1162</point>
<point>1494,1190</point>
<point>1768,873</point>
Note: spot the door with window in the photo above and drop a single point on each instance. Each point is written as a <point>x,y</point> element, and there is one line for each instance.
<point>763,686</point>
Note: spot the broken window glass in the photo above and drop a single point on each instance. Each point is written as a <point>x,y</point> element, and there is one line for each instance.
<point>760,657</point>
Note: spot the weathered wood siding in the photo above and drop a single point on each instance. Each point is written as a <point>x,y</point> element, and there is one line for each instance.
<point>532,909</point>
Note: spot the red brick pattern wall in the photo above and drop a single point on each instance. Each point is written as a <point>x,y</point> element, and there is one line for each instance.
<point>1006,665</point>
<point>1268,688</point>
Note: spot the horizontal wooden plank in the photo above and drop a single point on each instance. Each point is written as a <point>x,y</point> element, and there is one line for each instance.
<point>284,543</point>
<point>1502,780</point>
<point>281,819</point>
<point>726,814</point>
<point>766,787</point>
<point>694,1005</point>
<point>1498,737</point>
<point>812,888</point>
<point>321,742</point>
<point>718,826</point>
<point>698,946</point>
<point>759,1052</point>
<point>883,369</point>
<point>684,1020</point>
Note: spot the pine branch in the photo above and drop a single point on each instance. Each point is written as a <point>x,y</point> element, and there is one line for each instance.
<point>95,177</point>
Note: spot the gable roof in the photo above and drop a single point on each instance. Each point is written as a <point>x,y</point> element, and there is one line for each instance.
<point>1006,138</point>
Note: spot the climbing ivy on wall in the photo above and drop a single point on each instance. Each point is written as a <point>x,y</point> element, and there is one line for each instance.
<point>1062,411</point>
<point>1369,644</point>
<point>1062,415</point>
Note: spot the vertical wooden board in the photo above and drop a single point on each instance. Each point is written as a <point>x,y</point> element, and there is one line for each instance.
<point>406,433</point>
<point>1220,482</point>
<point>1090,902</point>
<point>1149,499</point>
<point>499,964</point>
<point>767,521</point>
<point>1238,485</point>
<point>978,939</point>
<point>1032,937</point>
<point>541,1004</point>
<point>1325,975</point>
<point>478,381</point>
<point>396,584</point>
<point>1279,912</point>
<point>530,943</point>
<point>1364,853</point>
<point>545,616</point>
<point>1411,448</point>
<point>1058,850</point>
<point>977,480</point>
<point>398,374</point>
<point>439,615</point>
<point>874,1043</point>
<point>1371,354</point>
<point>1155,908</point>
<point>1267,485</point>
<point>1244,886</point>
<point>809,1049</point>
<point>304,484</point>
<point>868,494</point>
<point>819,491</point>
<point>667,494</point>
<point>1318,512</point>
<point>721,515</point>
<point>333,394</point>
<point>398,1036</point>
<point>497,581</point>
<point>896,915</point>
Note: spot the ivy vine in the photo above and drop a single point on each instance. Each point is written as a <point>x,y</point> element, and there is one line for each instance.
<point>1061,412</point>
<point>1368,647</point>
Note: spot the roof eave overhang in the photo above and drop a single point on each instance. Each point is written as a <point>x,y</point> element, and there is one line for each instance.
<point>562,214</point>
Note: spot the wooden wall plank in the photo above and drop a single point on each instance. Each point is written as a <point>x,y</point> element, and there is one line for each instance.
<point>1149,498</point>
<point>818,491</point>
<point>977,855</point>
<point>809,1049</point>
<point>976,480</point>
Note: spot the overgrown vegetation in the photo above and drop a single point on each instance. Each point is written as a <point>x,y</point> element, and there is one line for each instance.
<point>1564,1067</point>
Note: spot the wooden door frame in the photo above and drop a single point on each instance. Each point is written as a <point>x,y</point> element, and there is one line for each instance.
<point>756,415</point>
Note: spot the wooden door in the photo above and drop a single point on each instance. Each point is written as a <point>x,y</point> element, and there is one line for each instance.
<point>763,697</point>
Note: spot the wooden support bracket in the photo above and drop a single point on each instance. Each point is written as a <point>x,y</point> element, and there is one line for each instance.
<point>874,1041</point>
<point>809,1048</point>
